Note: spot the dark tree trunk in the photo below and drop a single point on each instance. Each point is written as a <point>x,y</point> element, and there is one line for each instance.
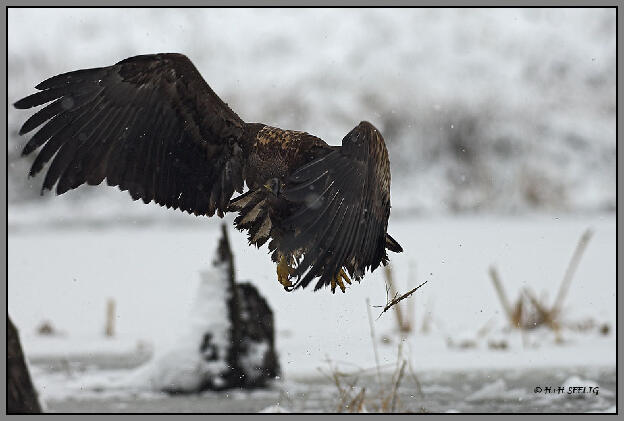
<point>21,394</point>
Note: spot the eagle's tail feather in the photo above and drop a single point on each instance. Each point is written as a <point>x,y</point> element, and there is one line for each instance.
<point>392,245</point>
<point>253,216</point>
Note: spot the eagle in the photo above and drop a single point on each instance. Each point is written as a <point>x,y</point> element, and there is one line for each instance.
<point>151,125</point>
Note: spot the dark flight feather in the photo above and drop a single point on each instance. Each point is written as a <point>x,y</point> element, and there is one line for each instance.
<point>152,91</point>
<point>350,232</point>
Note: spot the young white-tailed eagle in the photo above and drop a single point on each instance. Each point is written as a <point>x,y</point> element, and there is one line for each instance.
<point>151,125</point>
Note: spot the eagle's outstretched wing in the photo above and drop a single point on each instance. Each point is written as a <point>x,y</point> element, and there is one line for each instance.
<point>342,205</point>
<point>149,124</point>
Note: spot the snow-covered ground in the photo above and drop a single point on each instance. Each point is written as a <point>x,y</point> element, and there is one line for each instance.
<point>79,388</point>
<point>152,272</point>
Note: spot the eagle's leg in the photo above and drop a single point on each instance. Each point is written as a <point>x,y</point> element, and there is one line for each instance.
<point>338,281</point>
<point>283,273</point>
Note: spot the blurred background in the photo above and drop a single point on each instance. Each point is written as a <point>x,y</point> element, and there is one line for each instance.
<point>501,129</point>
<point>483,110</point>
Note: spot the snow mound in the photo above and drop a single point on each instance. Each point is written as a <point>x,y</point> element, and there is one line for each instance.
<point>227,342</point>
<point>197,357</point>
<point>274,409</point>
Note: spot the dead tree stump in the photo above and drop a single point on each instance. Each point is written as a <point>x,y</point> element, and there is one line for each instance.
<point>21,394</point>
<point>252,358</point>
<point>229,342</point>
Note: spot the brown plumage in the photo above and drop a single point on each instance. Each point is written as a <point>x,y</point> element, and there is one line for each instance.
<point>151,125</point>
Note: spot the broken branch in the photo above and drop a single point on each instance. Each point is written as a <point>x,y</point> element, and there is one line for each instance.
<point>399,299</point>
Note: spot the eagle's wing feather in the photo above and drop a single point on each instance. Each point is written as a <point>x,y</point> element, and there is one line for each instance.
<point>148,124</point>
<point>341,204</point>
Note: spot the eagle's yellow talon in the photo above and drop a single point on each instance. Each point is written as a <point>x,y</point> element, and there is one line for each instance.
<point>283,273</point>
<point>338,281</point>
<point>342,286</point>
<point>344,275</point>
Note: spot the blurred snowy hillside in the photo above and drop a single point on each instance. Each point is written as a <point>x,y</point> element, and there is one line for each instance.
<point>497,110</point>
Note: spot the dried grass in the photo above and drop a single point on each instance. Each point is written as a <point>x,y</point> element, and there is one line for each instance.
<point>404,324</point>
<point>530,312</point>
<point>386,396</point>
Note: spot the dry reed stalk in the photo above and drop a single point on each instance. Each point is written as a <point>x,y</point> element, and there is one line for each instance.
<point>502,297</point>
<point>412,279</point>
<point>372,333</point>
<point>402,323</point>
<point>395,387</point>
<point>426,323</point>
<point>109,330</point>
<point>539,312</point>
<point>415,378</point>
<point>569,273</point>
<point>356,404</point>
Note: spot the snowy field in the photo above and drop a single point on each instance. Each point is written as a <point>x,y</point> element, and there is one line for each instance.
<point>501,131</point>
<point>66,275</point>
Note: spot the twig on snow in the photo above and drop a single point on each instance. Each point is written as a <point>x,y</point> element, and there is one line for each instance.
<point>396,299</point>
